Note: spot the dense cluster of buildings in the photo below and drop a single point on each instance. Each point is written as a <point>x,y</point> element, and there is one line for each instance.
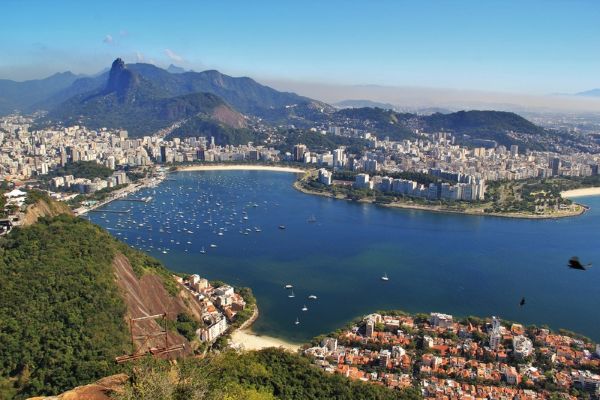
<point>438,151</point>
<point>471,190</point>
<point>83,185</point>
<point>219,306</point>
<point>467,360</point>
<point>201,148</point>
<point>27,153</point>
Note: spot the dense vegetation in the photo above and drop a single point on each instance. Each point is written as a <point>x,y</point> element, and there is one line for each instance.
<point>133,102</point>
<point>186,326</point>
<point>2,203</point>
<point>245,314</point>
<point>381,121</point>
<point>222,133</point>
<point>61,314</point>
<point>479,122</point>
<point>490,125</point>
<point>525,195</point>
<point>82,169</point>
<point>144,116</point>
<point>263,375</point>
<point>143,98</point>
<point>466,125</point>
<point>243,94</point>
<point>61,325</point>
<point>317,142</point>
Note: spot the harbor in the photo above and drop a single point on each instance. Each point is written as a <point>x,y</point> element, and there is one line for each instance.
<point>205,222</point>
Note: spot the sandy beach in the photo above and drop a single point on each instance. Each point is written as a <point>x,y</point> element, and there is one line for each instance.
<point>248,340</point>
<point>593,191</point>
<point>240,167</point>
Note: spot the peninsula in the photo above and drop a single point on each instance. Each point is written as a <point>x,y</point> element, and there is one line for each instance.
<point>511,199</point>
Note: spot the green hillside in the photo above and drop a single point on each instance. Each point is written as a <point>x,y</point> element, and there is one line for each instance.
<point>491,125</point>
<point>62,324</point>
<point>264,375</point>
<point>222,133</point>
<point>135,103</point>
<point>382,121</point>
<point>61,313</point>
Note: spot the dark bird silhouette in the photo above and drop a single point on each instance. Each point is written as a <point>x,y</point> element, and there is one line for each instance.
<point>522,302</point>
<point>574,263</point>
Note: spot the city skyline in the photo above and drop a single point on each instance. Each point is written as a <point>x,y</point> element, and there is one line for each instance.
<point>529,49</point>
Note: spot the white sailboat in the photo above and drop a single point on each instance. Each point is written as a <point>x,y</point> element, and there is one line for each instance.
<point>385,277</point>
<point>305,308</point>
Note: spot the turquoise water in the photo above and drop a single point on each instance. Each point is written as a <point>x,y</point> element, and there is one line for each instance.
<point>458,264</point>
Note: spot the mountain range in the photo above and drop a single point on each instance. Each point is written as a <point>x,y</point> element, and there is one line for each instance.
<point>589,93</point>
<point>144,99</point>
<point>25,95</point>
<point>143,102</point>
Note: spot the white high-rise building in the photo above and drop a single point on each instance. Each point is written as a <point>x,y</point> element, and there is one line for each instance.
<point>325,177</point>
<point>339,158</point>
<point>495,336</point>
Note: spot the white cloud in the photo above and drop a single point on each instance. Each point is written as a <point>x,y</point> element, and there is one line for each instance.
<point>173,56</point>
<point>108,39</point>
<point>139,56</point>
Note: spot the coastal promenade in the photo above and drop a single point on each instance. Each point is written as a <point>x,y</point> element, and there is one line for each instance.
<point>121,193</point>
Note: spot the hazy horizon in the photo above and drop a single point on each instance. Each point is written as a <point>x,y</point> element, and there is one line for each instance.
<point>483,46</point>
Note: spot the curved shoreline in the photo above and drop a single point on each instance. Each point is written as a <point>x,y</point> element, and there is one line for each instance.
<point>240,167</point>
<point>248,340</point>
<point>244,338</point>
<point>298,186</point>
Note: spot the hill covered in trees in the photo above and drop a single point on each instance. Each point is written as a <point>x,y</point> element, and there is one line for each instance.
<point>141,105</point>
<point>465,125</point>
<point>490,125</point>
<point>67,288</point>
<point>268,374</point>
<point>63,304</point>
<point>61,314</point>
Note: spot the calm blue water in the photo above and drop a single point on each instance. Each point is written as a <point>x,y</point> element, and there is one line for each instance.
<point>464,265</point>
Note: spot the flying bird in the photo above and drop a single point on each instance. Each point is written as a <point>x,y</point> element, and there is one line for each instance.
<point>574,263</point>
<point>522,302</point>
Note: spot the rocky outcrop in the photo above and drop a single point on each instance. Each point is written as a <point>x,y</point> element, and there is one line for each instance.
<point>121,80</point>
<point>44,208</point>
<point>100,390</point>
<point>145,296</point>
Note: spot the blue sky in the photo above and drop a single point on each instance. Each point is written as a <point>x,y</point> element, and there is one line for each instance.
<point>510,46</point>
